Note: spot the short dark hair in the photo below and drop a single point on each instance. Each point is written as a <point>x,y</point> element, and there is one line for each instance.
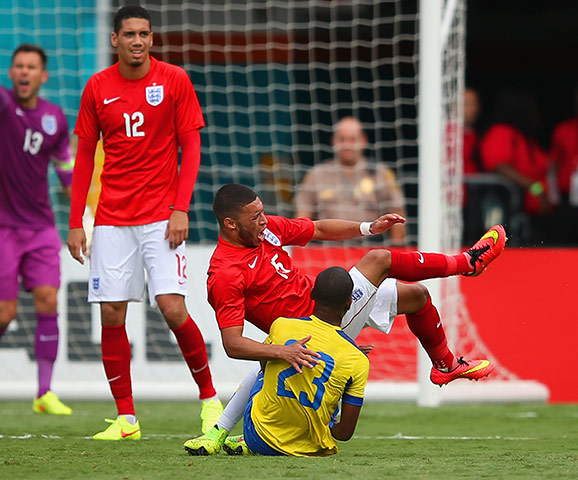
<point>333,287</point>
<point>129,11</point>
<point>230,200</point>
<point>28,47</point>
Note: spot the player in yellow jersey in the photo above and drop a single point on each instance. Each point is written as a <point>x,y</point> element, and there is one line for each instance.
<point>293,413</point>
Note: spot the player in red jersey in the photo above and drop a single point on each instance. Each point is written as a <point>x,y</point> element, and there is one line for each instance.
<point>145,109</point>
<point>252,277</point>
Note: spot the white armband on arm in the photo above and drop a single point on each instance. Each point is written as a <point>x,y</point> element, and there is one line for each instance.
<point>365,228</point>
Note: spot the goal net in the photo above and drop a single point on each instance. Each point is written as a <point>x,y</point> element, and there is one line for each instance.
<point>273,78</point>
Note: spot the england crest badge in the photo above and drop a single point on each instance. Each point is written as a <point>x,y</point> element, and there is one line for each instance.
<point>155,94</point>
<point>49,124</point>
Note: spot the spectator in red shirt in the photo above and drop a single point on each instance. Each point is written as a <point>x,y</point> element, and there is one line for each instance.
<point>509,147</point>
<point>471,114</point>
<point>564,156</point>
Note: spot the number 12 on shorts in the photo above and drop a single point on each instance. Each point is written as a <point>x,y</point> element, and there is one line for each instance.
<point>181,267</point>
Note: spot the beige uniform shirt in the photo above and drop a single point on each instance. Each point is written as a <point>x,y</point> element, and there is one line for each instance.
<point>358,193</point>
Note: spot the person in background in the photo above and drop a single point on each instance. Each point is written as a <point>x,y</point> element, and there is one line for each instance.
<point>564,157</point>
<point>510,148</point>
<point>34,133</point>
<point>350,186</point>
<point>472,192</point>
<point>471,113</point>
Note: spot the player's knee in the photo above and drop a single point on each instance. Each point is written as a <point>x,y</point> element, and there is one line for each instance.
<point>112,314</point>
<point>419,295</point>
<point>379,257</point>
<point>7,313</point>
<point>411,297</point>
<point>173,309</point>
<point>45,299</point>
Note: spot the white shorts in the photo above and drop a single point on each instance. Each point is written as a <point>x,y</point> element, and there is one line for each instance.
<point>120,256</point>
<point>372,306</point>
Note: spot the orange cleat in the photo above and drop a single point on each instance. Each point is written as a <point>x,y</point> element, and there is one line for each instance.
<point>486,249</point>
<point>472,370</point>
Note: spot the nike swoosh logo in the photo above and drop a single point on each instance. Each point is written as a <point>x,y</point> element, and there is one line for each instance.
<point>199,369</point>
<point>123,434</point>
<point>420,259</point>
<point>182,282</point>
<point>113,379</point>
<point>106,101</point>
<point>492,234</point>
<point>482,364</point>
<point>252,265</point>
<point>47,338</point>
<point>439,324</point>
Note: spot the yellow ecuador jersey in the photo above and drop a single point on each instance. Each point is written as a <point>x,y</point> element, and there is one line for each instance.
<point>292,412</point>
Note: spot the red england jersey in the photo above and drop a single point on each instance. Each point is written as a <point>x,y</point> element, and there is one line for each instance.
<point>139,120</point>
<point>564,152</point>
<point>261,284</point>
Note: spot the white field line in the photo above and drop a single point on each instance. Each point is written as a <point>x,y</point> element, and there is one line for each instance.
<point>397,436</point>
<point>401,436</point>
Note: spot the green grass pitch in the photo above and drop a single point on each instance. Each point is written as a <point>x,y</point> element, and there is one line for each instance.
<point>397,441</point>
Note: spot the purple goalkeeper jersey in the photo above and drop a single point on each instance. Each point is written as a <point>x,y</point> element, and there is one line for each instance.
<point>30,140</point>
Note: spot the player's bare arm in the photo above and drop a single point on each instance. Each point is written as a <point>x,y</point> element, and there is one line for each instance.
<point>76,242</point>
<point>344,429</point>
<point>243,348</point>
<point>177,228</point>
<point>333,229</point>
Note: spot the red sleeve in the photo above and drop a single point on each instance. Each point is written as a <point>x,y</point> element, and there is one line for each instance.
<point>497,147</point>
<point>81,179</point>
<point>557,144</point>
<point>190,161</point>
<point>226,294</point>
<point>292,231</point>
<point>188,111</point>
<point>87,125</point>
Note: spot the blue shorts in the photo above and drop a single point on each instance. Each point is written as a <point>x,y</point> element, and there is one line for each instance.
<point>252,438</point>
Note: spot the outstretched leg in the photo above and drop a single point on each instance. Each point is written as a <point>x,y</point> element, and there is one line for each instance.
<point>425,323</point>
<point>379,264</point>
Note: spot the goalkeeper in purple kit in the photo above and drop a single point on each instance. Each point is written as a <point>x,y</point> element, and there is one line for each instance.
<point>34,133</point>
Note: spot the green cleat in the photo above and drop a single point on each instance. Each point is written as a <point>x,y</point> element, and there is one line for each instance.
<point>236,446</point>
<point>210,413</point>
<point>51,404</point>
<point>120,429</point>
<point>209,444</point>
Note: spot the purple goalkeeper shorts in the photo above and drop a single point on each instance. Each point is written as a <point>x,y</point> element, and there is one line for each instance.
<point>32,255</point>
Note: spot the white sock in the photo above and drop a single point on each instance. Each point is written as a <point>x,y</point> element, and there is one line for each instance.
<point>130,418</point>
<point>235,409</point>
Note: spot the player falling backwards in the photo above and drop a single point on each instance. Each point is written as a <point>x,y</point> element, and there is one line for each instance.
<point>252,277</point>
